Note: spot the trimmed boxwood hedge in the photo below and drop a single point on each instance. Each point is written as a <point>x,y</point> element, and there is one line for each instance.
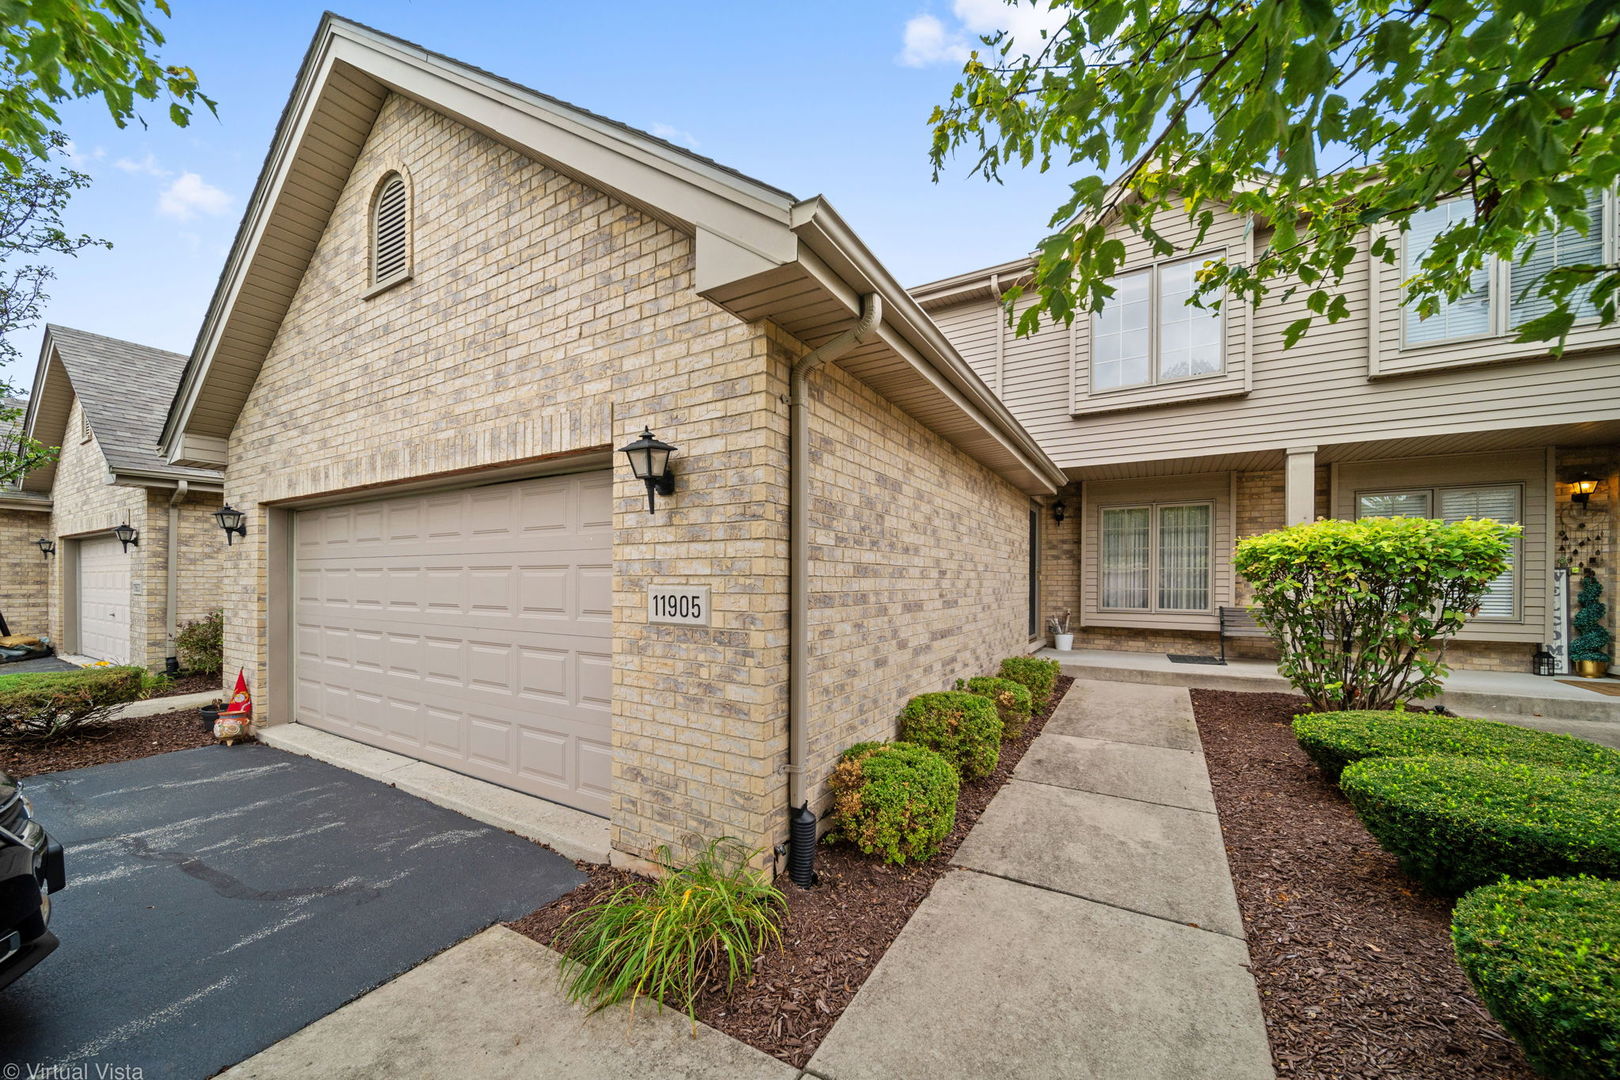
<point>1336,739</point>
<point>894,800</point>
<point>41,706</point>
<point>1037,674</point>
<point>1458,823</point>
<point>1545,958</point>
<point>1011,700</point>
<point>962,727</point>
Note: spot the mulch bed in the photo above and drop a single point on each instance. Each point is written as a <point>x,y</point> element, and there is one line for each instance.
<point>1353,959</point>
<point>835,933</point>
<point>193,684</point>
<point>119,740</point>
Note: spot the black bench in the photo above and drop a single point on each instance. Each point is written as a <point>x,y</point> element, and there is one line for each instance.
<point>1237,622</point>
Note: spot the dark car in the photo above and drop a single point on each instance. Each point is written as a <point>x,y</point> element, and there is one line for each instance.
<point>30,870</point>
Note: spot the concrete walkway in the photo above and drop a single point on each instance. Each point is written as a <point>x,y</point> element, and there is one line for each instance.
<point>1091,930</point>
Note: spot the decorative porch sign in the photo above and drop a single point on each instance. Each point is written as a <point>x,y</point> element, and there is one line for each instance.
<point>678,605</point>
<point>1559,645</point>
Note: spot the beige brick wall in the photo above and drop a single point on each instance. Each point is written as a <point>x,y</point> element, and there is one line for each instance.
<point>24,571</point>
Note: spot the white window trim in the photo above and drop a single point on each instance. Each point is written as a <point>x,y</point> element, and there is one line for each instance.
<point>1153,607</point>
<point>1433,494</point>
<point>1499,287</point>
<point>1154,378</point>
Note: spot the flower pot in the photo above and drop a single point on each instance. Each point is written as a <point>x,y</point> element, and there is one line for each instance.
<point>210,713</point>
<point>1591,669</point>
<point>1063,642</point>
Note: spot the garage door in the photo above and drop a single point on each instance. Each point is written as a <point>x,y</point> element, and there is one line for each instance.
<point>471,629</point>
<point>104,599</point>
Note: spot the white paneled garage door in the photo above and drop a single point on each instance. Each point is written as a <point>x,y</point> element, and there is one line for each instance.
<point>471,629</point>
<point>104,599</point>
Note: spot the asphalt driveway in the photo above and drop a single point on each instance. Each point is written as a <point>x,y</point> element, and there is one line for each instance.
<point>220,899</point>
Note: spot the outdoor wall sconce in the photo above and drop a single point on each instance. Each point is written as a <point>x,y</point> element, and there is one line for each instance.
<point>649,460</point>
<point>46,547</point>
<point>1059,511</point>
<point>127,534</point>
<point>1583,490</point>
<point>232,520</point>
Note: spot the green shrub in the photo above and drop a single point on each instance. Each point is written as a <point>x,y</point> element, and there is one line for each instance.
<point>894,800</point>
<point>1361,611</point>
<point>668,939</point>
<point>48,705</point>
<point>1039,675</point>
<point>201,644</point>
<point>1011,699</point>
<point>1545,958</point>
<point>1334,740</point>
<point>1458,823</point>
<point>962,728</point>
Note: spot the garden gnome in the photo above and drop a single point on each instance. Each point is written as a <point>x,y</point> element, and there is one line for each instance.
<point>235,722</point>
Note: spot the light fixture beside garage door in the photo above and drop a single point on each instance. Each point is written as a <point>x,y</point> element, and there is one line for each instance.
<point>649,460</point>
<point>232,520</point>
<point>127,534</point>
<point>47,547</point>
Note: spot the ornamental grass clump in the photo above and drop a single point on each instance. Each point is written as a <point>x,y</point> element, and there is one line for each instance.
<point>1361,611</point>
<point>702,922</point>
<point>1457,823</point>
<point>963,728</point>
<point>1545,958</point>
<point>894,800</point>
<point>1011,699</point>
<point>1337,739</point>
<point>1039,675</point>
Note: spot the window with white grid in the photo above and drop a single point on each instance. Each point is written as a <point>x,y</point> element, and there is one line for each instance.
<point>1147,332</point>
<point>1156,557</point>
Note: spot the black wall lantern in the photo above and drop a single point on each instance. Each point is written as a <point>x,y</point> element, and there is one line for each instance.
<point>232,520</point>
<point>1583,490</point>
<point>1059,511</point>
<point>649,460</point>
<point>46,546</point>
<point>127,534</point>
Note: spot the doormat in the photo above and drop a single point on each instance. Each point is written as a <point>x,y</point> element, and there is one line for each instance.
<point>1183,658</point>
<point>1608,687</point>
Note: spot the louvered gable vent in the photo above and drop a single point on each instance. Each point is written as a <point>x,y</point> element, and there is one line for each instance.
<point>388,253</point>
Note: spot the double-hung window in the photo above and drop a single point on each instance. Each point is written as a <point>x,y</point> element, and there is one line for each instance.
<point>1147,332</point>
<point>1500,502</point>
<point>1502,294</point>
<point>1156,557</point>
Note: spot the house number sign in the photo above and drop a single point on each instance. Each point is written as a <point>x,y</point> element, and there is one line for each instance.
<point>678,605</point>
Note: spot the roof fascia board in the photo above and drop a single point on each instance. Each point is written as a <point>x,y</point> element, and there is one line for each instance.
<point>11,502</point>
<point>149,479</point>
<point>199,451</point>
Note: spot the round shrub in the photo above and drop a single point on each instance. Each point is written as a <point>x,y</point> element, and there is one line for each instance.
<point>1336,739</point>
<point>1545,957</point>
<point>1458,823</point>
<point>894,800</point>
<point>1037,674</point>
<point>963,728</point>
<point>1011,700</point>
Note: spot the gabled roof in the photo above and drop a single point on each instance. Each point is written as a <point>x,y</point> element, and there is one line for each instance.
<point>758,252</point>
<point>124,390</point>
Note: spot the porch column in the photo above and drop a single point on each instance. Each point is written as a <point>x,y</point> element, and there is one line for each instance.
<point>1299,485</point>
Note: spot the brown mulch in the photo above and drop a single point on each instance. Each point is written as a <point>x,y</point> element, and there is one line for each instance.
<point>118,740</point>
<point>1353,960</point>
<point>193,684</point>
<point>834,934</point>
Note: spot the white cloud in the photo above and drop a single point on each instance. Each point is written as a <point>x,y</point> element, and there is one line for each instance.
<point>147,165</point>
<point>927,40</point>
<point>191,195</point>
<point>81,159</point>
<point>670,133</point>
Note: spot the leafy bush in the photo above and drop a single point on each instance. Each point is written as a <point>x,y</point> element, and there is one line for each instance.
<point>1037,674</point>
<point>894,800</point>
<point>1361,610</point>
<point>1011,699</point>
<point>201,644</point>
<point>962,728</point>
<point>1334,740</point>
<point>45,706</point>
<point>1545,957</point>
<point>667,939</point>
<point>1458,823</point>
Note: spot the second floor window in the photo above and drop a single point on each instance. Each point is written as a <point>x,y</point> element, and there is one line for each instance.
<point>1147,332</point>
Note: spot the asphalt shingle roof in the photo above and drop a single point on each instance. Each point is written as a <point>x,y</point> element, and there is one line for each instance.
<point>125,390</point>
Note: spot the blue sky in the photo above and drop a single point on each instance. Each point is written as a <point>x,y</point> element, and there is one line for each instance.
<point>832,99</point>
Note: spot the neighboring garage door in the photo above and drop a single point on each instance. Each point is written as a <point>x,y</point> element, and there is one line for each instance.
<point>471,629</point>
<point>104,599</point>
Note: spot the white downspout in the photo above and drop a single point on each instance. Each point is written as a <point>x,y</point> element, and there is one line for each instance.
<point>173,589</point>
<point>799,566</point>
